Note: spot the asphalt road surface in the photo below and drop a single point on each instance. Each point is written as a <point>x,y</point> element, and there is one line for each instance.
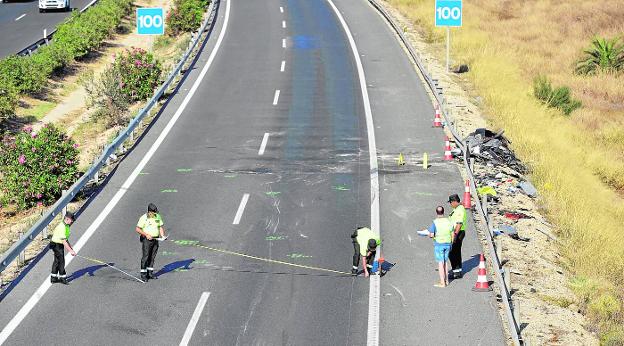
<point>264,151</point>
<point>21,24</point>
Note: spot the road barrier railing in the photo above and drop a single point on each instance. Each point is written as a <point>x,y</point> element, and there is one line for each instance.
<point>502,278</point>
<point>15,251</point>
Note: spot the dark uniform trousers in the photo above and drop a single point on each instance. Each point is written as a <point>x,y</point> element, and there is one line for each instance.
<point>356,252</point>
<point>150,248</point>
<point>58,266</point>
<point>455,255</point>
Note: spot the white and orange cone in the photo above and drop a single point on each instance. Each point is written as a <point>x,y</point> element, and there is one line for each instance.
<point>467,203</point>
<point>437,121</point>
<point>482,284</point>
<point>448,156</point>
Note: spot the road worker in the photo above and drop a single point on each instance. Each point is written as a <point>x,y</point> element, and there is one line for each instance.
<point>58,243</point>
<point>365,244</point>
<point>150,227</point>
<point>442,231</point>
<point>458,217</point>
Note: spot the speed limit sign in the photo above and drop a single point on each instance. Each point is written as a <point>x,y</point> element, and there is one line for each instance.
<point>448,13</point>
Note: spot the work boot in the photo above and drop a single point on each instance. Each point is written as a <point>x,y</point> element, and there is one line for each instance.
<point>354,271</point>
<point>457,275</point>
<point>150,275</point>
<point>54,279</point>
<point>144,277</point>
<point>63,281</point>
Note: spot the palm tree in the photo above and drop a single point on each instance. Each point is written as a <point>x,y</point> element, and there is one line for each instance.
<point>603,54</point>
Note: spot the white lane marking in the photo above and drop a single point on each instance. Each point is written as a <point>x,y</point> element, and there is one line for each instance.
<point>89,4</point>
<point>194,319</point>
<point>374,291</point>
<point>283,66</point>
<point>34,299</point>
<point>265,139</point>
<point>283,43</point>
<point>281,9</point>
<point>20,17</point>
<point>241,209</point>
<point>284,24</point>
<point>276,97</point>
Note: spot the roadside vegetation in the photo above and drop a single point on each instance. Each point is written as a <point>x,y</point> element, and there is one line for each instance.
<point>533,63</point>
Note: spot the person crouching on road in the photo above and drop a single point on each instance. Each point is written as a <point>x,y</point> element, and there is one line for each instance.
<point>365,244</point>
<point>58,243</point>
<point>458,218</point>
<point>441,230</point>
<point>150,226</point>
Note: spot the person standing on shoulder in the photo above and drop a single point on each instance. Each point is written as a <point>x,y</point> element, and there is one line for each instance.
<point>58,243</point>
<point>365,243</point>
<point>150,227</point>
<point>442,232</point>
<point>458,217</point>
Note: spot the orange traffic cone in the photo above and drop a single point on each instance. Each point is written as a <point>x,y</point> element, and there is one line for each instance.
<point>482,284</point>
<point>467,203</point>
<point>437,121</point>
<point>447,149</point>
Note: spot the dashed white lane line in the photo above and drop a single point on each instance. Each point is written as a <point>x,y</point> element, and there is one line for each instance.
<point>194,319</point>
<point>241,209</point>
<point>283,66</point>
<point>263,145</point>
<point>20,17</point>
<point>283,43</point>
<point>276,97</point>
<point>36,297</point>
<point>284,24</point>
<point>281,9</point>
<point>372,338</point>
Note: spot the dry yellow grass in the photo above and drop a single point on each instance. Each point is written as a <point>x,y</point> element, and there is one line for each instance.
<point>576,162</point>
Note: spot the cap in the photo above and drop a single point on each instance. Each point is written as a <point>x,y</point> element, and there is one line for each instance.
<point>152,208</point>
<point>454,198</point>
<point>372,244</point>
<point>70,215</point>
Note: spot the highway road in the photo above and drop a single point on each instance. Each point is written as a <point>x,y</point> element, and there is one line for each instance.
<point>266,150</point>
<point>21,24</point>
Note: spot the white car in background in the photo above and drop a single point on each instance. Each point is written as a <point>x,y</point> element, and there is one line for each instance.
<point>45,5</point>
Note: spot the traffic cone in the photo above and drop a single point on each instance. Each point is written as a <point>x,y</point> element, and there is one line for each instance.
<point>482,284</point>
<point>437,121</point>
<point>447,149</point>
<point>467,203</point>
<point>400,160</point>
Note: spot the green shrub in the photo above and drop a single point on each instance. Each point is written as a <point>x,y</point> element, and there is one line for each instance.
<point>36,167</point>
<point>107,96</point>
<point>8,99</point>
<point>23,73</point>
<point>140,73</point>
<point>186,16</point>
<point>603,55</point>
<point>560,97</point>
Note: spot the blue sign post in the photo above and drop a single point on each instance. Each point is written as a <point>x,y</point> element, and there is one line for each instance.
<point>448,13</point>
<point>150,21</point>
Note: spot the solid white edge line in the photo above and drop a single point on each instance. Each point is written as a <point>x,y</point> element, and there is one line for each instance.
<point>374,291</point>
<point>194,319</point>
<point>283,66</point>
<point>241,209</point>
<point>284,24</point>
<point>34,299</point>
<point>263,145</point>
<point>20,17</point>
<point>283,43</point>
<point>276,97</point>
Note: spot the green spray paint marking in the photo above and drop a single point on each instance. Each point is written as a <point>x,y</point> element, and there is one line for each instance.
<point>169,253</point>
<point>230,176</point>
<point>201,261</point>
<point>272,193</point>
<point>298,255</point>
<point>423,194</point>
<point>180,270</point>
<point>169,191</point>
<point>276,237</point>
<point>143,173</point>
<point>182,170</point>
<point>186,242</point>
<point>341,188</point>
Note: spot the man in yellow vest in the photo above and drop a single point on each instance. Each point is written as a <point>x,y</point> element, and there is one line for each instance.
<point>150,227</point>
<point>441,230</point>
<point>365,243</point>
<point>458,217</point>
<point>58,243</point>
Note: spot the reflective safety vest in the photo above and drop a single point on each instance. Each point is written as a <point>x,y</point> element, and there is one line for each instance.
<point>363,236</point>
<point>443,230</point>
<point>61,232</point>
<point>150,225</point>
<point>458,215</point>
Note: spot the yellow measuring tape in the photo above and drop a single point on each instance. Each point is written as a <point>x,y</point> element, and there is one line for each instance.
<point>195,243</point>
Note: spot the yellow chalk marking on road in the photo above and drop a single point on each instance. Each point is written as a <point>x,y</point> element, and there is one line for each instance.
<point>425,161</point>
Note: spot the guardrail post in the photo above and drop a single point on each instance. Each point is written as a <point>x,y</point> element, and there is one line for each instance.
<point>507,279</point>
<point>64,208</point>
<point>472,162</point>
<point>45,35</point>
<point>21,258</point>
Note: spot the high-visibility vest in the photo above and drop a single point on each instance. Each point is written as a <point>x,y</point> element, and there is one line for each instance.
<point>443,230</point>
<point>363,236</point>
<point>150,225</point>
<point>458,215</point>
<point>61,232</point>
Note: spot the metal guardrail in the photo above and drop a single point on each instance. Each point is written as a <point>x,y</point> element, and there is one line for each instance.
<point>514,328</point>
<point>18,247</point>
<point>47,36</point>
